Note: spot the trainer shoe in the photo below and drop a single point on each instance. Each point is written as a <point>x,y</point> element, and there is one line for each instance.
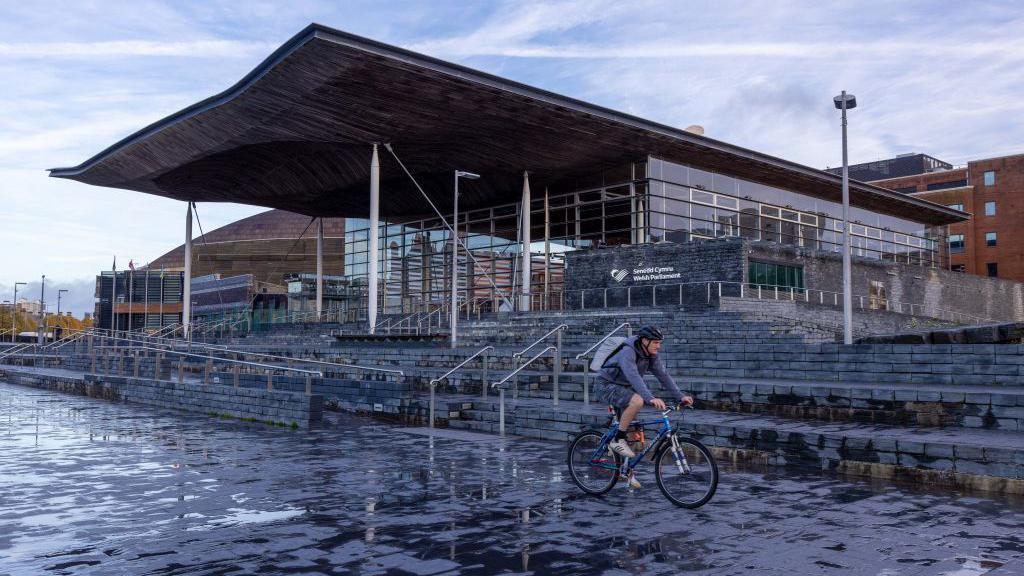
<point>633,482</point>
<point>621,447</point>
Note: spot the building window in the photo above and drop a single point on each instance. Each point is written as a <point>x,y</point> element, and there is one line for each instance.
<point>947,185</point>
<point>876,296</point>
<point>990,208</point>
<point>993,269</point>
<point>767,276</point>
<point>990,178</point>
<point>956,243</point>
<point>959,207</point>
<point>906,189</point>
<point>958,268</point>
<point>990,238</point>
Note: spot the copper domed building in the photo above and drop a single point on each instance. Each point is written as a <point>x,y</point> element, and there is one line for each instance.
<point>268,245</point>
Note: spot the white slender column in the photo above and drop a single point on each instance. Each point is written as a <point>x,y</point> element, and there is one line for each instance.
<point>524,299</point>
<point>186,297</point>
<point>319,268</point>
<point>371,312</point>
<point>455,265</point>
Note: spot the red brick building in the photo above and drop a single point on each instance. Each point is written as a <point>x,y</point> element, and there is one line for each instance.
<point>991,243</point>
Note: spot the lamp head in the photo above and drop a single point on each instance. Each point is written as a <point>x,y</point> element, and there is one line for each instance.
<point>851,101</point>
<point>466,175</point>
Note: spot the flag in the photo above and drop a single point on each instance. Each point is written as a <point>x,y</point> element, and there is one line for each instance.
<point>131,265</point>
<point>161,271</point>
<point>114,267</point>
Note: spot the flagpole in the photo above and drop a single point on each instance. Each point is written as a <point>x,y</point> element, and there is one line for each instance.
<point>131,292</point>
<point>113,298</point>
<point>161,323</point>
<point>145,313</point>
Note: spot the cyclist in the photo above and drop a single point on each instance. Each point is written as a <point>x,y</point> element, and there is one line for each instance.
<point>620,383</point>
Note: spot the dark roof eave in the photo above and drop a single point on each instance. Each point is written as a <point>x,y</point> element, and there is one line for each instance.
<point>326,33</point>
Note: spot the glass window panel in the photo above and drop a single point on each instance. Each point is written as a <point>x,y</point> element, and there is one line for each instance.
<point>724,184</point>
<point>701,179</point>
<point>676,173</point>
<point>727,202</point>
<point>770,229</point>
<point>770,211</point>
<point>702,197</point>
<point>728,223</point>
<point>703,220</point>
<point>790,215</point>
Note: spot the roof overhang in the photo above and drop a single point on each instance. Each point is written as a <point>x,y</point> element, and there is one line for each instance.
<point>295,134</point>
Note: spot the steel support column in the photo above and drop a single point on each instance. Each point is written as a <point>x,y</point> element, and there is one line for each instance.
<point>186,299</point>
<point>319,268</point>
<point>371,297</point>
<point>524,299</point>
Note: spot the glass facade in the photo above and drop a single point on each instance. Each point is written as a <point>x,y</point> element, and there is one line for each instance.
<point>689,203</point>
<point>651,200</point>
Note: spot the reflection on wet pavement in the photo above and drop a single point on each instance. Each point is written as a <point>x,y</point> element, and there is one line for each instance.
<point>92,487</point>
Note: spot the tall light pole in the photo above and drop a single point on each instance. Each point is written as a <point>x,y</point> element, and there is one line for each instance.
<point>14,312</point>
<point>455,251</point>
<point>845,102</point>
<point>59,292</point>
<point>42,309</point>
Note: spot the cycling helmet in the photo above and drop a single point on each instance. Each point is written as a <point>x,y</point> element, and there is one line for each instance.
<point>651,333</point>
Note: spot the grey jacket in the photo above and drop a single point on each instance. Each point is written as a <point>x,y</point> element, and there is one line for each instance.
<point>628,366</point>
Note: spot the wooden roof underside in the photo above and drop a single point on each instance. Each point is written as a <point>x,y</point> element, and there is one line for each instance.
<point>295,134</point>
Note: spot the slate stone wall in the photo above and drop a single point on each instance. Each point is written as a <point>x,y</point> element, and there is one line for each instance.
<point>650,274</point>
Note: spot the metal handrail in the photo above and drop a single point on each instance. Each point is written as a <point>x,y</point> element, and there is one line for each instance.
<point>539,340</point>
<point>433,383</point>
<point>601,341</point>
<point>223,349</point>
<point>228,360</point>
<point>748,289</point>
<point>461,364</point>
<point>525,364</point>
<point>501,389</point>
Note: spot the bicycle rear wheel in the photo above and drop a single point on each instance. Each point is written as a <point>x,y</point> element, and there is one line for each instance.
<point>686,472</point>
<point>595,473</point>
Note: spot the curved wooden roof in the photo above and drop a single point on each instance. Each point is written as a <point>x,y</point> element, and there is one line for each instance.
<point>295,134</point>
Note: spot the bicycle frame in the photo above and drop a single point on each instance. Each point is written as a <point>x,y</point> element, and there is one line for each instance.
<point>666,429</point>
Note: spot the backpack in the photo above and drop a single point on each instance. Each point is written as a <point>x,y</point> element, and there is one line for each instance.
<point>606,351</point>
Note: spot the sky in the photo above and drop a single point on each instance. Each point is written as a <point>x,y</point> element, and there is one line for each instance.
<point>938,77</point>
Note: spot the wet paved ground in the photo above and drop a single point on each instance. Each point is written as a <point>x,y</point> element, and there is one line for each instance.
<point>91,487</point>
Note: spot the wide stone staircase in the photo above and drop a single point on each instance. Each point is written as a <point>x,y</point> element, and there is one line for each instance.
<point>773,389</point>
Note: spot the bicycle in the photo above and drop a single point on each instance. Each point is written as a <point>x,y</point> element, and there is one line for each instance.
<point>685,470</point>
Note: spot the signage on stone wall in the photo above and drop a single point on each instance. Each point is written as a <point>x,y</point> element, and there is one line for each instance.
<point>647,273</point>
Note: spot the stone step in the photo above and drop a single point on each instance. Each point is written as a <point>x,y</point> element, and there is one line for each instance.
<point>992,458</point>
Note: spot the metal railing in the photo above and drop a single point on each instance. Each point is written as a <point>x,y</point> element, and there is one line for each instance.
<point>586,365</point>
<point>517,357</point>
<point>500,385</point>
<point>678,294</point>
<point>209,366</point>
<point>244,353</point>
<point>483,377</point>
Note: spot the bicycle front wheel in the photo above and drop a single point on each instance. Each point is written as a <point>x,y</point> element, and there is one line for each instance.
<point>594,472</point>
<point>686,472</point>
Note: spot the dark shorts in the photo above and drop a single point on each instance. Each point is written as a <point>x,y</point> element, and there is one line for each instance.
<point>613,394</point>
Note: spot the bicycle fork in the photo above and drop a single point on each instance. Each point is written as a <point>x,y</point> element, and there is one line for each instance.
<point>679,456</point>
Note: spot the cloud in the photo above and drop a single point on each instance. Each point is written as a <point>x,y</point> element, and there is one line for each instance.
<point>124,48</point>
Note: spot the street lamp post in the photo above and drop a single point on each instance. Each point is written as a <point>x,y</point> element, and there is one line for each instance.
<point>42,310</point>
<point>845,102</point>
<point>59,293</point>
<point>14,312</point>
<point>455,251</point>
